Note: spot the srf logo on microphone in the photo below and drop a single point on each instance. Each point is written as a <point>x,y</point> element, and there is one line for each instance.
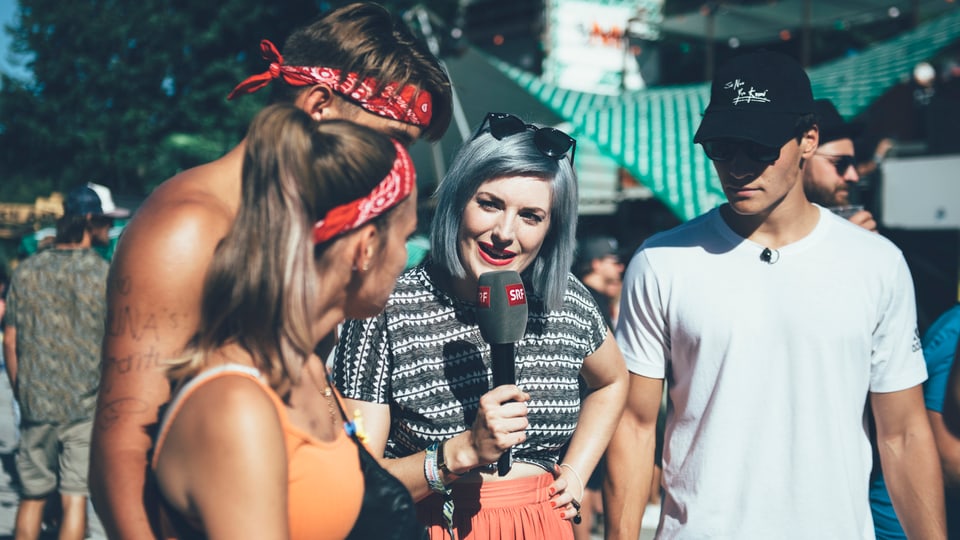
<point>515,294</point>
<point>483,296</point>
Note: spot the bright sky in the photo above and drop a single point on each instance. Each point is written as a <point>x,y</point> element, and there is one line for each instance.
<point>8,9</point>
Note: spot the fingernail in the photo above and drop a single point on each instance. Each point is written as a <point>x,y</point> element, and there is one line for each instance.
<point>553,491</point>
<point>563,515</point>
<point>553,504</point>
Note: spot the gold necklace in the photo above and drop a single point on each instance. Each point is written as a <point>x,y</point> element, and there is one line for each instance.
<point>326,390</point>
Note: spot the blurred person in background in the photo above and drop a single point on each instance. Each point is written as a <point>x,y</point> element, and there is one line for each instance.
<point>951,400</point>
<point>939,346</point>
<point>830,177</point>
<point>597,265</point>
<point>356,63</point>
<point>55,315</point>
<point>4,282</point>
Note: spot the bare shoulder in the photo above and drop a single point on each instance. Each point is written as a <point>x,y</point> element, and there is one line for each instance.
<point>156,283</point>
<point>220,429</point>
<point>224,409</point>
<point>157,273</point>
<point>188,212</point>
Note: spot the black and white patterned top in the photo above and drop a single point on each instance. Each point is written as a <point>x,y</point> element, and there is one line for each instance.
<point>425,358</point>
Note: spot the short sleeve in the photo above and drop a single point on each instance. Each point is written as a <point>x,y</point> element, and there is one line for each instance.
<point>642,333</point>
<point>590,312</point>
<point>361,365</point>
<point>897,362</point>
<point>599,329</point>
<point>10,315</point>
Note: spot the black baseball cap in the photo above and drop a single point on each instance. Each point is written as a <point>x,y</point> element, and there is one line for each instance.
<point>596,247</point>
<point>757,97</point>
<point>832,125</point>
<point>92,199</point>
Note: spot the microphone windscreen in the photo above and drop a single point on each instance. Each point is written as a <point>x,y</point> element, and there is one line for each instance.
<point>501,307</point>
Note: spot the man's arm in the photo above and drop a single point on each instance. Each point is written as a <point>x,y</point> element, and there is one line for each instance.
<point>626,487</point>
<point>153,303</point>
<point>911,466</point>
<point>10,355</point>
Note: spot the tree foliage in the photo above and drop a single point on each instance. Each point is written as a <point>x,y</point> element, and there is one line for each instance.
<point>127,93</point>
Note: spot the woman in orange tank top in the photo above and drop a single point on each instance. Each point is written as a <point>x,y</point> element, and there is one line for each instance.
<point>255,444</point>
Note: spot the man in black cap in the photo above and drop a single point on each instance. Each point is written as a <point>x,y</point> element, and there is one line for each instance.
<point>94,202</point>
<point>597,265</point>
<point>771,349</point>
<point>831,173</point>
<point>56,307</point>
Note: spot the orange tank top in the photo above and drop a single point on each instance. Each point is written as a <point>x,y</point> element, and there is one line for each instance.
<point>325,484</point>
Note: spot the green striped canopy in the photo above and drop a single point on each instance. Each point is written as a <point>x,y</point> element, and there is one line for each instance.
<point>650,132</point>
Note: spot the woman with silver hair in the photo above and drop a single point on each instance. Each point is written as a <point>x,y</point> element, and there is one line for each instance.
<point>420,373</point>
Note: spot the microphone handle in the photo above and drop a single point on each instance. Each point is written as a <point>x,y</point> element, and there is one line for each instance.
<point>502,362</point>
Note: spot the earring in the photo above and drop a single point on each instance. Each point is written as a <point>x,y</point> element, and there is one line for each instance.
<point>366,266</point>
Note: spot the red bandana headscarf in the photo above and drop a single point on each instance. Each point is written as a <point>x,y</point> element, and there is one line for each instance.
<point>407,104</point>
<point>388,193</point>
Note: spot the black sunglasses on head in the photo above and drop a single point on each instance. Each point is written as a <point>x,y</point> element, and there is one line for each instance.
<point>551,142</point>
<point>840,162</point>
<point>726,149</point>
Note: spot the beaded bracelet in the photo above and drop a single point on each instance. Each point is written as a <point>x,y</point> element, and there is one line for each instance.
<point>431,471</point>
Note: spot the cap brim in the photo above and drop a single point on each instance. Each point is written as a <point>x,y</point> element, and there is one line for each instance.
<point>118,213</point>
<point>769,128</point>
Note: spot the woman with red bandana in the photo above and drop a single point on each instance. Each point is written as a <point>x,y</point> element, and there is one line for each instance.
<point>420,372</point>
<point>255,443</point>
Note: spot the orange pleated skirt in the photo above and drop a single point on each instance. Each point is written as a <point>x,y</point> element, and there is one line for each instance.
<point>509,510</point>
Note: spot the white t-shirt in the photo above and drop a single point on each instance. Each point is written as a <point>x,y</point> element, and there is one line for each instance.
<point>769,366</point>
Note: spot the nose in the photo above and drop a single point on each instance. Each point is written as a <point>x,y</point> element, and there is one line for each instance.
<point>742,167</point>
<point>504,230</point>
<point>850,175</point>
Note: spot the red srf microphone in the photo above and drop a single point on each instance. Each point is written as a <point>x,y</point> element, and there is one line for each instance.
<point>502,318</point>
